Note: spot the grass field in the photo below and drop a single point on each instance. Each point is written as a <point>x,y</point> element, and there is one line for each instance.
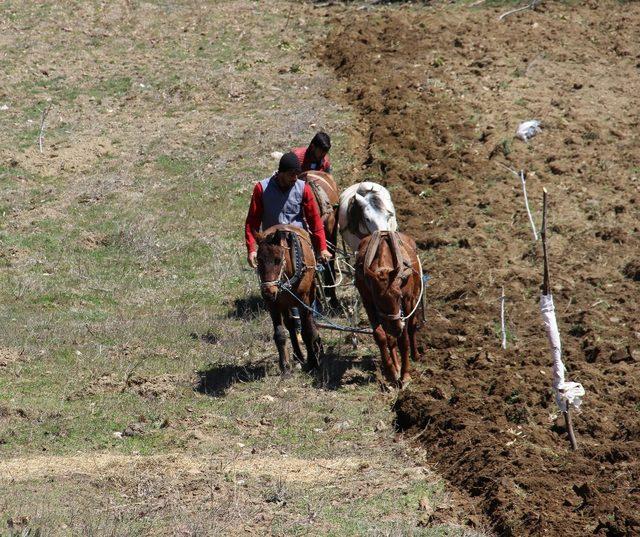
<point>138,385</point>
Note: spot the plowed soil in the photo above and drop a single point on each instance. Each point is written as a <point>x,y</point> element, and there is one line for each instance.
<point>442,90</point>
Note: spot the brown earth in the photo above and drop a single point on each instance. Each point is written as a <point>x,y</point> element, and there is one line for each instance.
<point>442,90</point>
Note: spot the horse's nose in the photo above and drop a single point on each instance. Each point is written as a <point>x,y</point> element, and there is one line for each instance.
<point>396,328</point>
<point>270,292</point>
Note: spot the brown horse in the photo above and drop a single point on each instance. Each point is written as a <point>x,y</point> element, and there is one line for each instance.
<point>286,267</point>
<point>389,279</point>
<point>326,192</point>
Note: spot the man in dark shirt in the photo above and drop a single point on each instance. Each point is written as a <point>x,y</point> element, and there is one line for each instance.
<point>315,157</point>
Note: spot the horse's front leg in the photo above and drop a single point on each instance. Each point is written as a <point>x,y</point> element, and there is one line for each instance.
<point>392,345</point>
<point>293,334</point>
<point>389,368</point>
<point>380,336</point>
<point>311,339</point>
<point>405,367</point>
<point>412,327</point>
<point>280,338</point>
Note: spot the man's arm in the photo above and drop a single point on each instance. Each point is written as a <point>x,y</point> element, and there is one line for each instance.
<point>312,216</point>
<point>254,219</point>
<point>300,153</point>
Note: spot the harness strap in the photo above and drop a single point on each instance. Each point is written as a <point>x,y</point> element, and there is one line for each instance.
<point>298,261</point>
<point>372,248</point>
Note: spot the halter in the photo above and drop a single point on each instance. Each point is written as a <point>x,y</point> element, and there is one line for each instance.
<point>277,281</point>
<point>393,316</point>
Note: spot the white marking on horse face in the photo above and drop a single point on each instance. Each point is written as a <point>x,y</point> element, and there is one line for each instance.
<point>375,220</point>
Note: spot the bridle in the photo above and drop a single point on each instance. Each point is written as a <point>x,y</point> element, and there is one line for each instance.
<point>391,316</point>
<point>278,281</point>
<point>298,265</point>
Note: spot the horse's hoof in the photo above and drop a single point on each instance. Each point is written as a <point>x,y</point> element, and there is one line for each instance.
<point>308,367</point>
<point>404,383</point>
<point>286,374</point>
<point>385,387</point>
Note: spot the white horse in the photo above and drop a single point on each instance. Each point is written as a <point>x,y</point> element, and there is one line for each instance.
<point>364,208</point>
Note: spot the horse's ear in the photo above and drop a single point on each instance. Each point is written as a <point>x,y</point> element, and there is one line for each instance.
<point>279,238</point>
<point>260,237</point>
<point>360,199</point>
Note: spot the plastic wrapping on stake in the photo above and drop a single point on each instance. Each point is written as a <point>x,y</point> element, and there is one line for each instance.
<point>567,393</point>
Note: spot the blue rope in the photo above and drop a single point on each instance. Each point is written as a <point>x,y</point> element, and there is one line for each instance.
<point>330,324</point>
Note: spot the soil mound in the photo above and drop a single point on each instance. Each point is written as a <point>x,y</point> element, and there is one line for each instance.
<point>442,91</point>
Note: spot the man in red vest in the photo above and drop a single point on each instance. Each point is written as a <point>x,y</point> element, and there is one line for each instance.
<point>315,156</point>
<point>284,199</point>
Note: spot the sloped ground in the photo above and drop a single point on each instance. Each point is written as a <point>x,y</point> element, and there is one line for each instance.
<point>441,91</point>
<point>138,388</point>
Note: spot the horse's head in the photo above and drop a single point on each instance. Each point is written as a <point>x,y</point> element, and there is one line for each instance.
<point>385,278</point>
<point>272,250</point>
<point>386,295</point>
<point>371,213</point>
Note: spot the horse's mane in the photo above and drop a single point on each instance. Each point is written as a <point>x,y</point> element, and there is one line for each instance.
<point>354,216</point>
<point>376,201</point>
<point>374,196</point>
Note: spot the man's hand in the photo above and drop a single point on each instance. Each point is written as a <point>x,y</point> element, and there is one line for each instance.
<point>325,256</point>
<point>252,259</point>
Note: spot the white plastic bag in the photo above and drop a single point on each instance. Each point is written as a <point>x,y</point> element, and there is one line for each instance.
<point>528,129</point>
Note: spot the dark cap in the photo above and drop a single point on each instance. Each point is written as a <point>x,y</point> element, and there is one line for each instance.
<point>289,162</point>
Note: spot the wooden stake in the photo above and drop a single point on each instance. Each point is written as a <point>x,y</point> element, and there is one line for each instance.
<point>504,331</point>
<point>45,112</point>
<point>569,424</point>
<point>545,278</point>
<point>546,286</point>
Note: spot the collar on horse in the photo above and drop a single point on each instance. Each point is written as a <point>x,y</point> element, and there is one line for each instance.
<point>399,262</point>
